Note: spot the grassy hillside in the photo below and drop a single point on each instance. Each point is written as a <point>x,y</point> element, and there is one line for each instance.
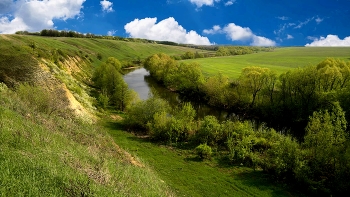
<point>52,146</point>
<point>59,151</point>
<point>280,60</point>
<point>45,154</point>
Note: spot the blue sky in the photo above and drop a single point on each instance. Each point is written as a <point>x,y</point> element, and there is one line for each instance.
<point>228,22</point>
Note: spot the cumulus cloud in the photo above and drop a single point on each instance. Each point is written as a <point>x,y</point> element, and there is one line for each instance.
<point>262,41</point>
<point>106,6</point>
<point>165,30</point>
<point>237,33</point>
<point>36,15</point>
<point>330,40</point>
<point>231,2</point>
<point>200,3</point>
<point>216,29</point>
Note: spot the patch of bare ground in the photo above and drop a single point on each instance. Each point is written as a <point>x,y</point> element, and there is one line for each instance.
<point>5,37</point>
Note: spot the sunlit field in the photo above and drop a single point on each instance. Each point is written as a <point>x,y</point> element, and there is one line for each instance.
<point>280,60</point>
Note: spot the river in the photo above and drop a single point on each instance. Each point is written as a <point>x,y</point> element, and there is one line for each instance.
<point>140,81</point>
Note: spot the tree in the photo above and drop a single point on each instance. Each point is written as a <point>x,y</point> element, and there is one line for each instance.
<point>216,88</point>
<point>254,79</point>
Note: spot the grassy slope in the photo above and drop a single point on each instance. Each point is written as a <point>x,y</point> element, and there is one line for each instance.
<point>281,60</point>
<point>189,176</point>
<point>44,155</point>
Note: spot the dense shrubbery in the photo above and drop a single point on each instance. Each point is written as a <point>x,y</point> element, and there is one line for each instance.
<point>113,89</point>
<point>284,101</point>
<point>319,165</point>
<point>317,157</point>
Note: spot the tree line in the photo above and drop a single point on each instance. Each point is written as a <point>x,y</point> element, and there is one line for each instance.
<point>284,102</point>
<point>314,157</point>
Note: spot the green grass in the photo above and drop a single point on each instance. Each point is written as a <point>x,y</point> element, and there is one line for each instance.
<point>89,48</point>
<point>43,155</point>
<point>280,60</point>
<point>189,176</point>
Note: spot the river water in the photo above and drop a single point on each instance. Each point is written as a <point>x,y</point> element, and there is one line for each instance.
<point>140,81</point>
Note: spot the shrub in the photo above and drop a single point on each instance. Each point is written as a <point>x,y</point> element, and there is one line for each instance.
<point>143,112</point>
<point>209,131</point>
<point>204,151</point>
<point>103,100</point>
<point>99,56</point>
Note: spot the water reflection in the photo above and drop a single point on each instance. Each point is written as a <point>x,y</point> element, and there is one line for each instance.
<point>140,81</point>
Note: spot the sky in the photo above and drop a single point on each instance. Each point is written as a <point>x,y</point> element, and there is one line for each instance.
<point>201,22</point>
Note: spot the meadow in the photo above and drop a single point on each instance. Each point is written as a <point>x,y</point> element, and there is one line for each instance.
<point>188,175</point>
<point>280,60</point>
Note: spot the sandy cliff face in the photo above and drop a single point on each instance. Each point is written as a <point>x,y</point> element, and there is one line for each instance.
<point>61,81</point>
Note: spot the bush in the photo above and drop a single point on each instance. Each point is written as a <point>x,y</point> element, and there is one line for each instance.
<point>204,151</point>
<point>209,131</point>
<point>143,112</point>
<point>99,56</point>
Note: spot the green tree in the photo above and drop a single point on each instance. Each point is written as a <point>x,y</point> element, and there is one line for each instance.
<point>254,79</point>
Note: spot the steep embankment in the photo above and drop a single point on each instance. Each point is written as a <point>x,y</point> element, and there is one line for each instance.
<point>65,65</point>
<point>44,148</point>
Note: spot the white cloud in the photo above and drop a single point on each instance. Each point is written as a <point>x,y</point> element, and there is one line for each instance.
<point>289,36</point>
<point>301,24</point>
<point>231,2</point>
<point>312,38</point>
<point>318,20</point>
<point>283,18</point>
<point>8,26</point>
<point>36,15</point>
<point>111,32</point>
<point>330,40</point>
<point>262,41</point>
<point>165,30</point>
<point>237,33</point>
<point>216,29</point>
<point>106,6</point>
<point>200,3</point>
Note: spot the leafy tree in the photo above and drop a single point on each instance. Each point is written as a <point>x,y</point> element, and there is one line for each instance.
<point>254,79</point>
<point>216,88</point>
<point>142,112</point>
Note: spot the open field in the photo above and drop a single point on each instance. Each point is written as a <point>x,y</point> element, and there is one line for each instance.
<point>280,60</point>
<point>189,176</point>
<point>87,47</point>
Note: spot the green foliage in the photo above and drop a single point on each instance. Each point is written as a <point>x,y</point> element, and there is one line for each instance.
<point>103,100</point>
<point>142,112</point>
<point>108,78</point>
<point>209,131</point>
<point>99,56</point>
<point>185,78</point>
<point>284,159</point>
<point>204,151</point>
<point>41,100</point>
<point>188,55</point>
